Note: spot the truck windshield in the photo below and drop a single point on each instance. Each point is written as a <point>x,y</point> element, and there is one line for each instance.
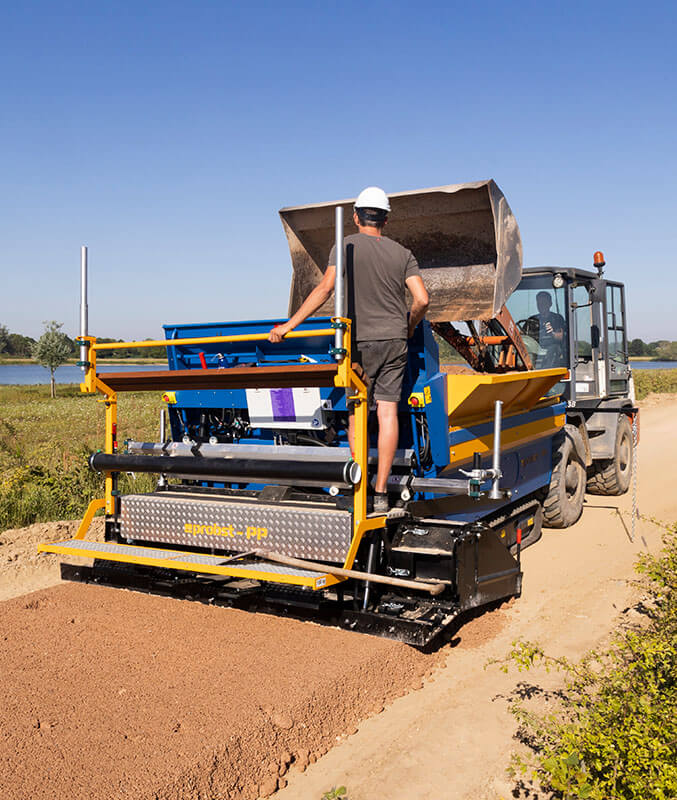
<point>540,313</point>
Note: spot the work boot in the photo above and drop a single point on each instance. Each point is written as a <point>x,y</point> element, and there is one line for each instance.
<point>380,503</point>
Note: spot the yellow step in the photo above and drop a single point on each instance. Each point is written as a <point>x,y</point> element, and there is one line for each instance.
<point>191,562</point>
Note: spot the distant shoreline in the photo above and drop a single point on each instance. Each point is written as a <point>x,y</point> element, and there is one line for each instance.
<point>4,360</point>
<point>650,358</point>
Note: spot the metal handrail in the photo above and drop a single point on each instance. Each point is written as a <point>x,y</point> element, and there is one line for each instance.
<point>253,337</point>
<point>339,291</point>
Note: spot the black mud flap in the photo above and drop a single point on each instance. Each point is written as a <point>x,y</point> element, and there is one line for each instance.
<point>485,569</point>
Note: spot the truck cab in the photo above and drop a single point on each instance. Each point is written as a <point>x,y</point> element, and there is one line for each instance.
<point>575,318</point>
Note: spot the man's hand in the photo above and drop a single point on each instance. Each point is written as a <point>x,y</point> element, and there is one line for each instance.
<point>278,333</point>
<point>556,334</point>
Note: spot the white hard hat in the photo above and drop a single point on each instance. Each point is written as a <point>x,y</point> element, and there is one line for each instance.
<point>373,197</point>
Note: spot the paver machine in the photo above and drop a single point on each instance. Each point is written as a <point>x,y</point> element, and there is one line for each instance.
<point>260,502</point>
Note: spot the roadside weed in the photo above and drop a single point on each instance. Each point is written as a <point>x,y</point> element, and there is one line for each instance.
<point>610,733</point>
<point>335,794</point>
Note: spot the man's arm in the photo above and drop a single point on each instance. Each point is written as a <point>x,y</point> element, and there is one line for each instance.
<point>420,303</point>
<point>315,299</point>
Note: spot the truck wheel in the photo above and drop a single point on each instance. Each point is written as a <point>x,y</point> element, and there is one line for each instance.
<point>563,504</point>
<point>612,476</point>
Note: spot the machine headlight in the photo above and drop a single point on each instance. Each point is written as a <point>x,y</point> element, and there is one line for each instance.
<point>557,280</point>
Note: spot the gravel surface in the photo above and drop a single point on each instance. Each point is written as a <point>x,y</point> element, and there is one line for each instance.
<point>114,694</point>
<point>23,569</point>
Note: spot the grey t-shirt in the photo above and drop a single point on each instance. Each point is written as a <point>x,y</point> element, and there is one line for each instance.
<point>376,271</point>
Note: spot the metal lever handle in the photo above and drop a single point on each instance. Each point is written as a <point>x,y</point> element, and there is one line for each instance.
<point>495,493</point>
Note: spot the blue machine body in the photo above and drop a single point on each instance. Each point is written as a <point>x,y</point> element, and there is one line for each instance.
<point>424,431</point>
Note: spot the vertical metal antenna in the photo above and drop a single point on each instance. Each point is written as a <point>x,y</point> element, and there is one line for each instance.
<point>83,303</point>
<point>339,292</point>
<point>495,493</point>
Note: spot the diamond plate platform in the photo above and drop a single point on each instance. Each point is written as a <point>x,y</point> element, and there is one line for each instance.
<point>196,562</point>
<point>309,531</point>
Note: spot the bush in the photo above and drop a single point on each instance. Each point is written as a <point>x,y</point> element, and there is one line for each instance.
<point>44,447</point>
<point>614,734</point>
<point>654,380</point>
<point>37,494</point>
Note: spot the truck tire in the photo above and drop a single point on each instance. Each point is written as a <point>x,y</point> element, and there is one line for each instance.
<point>612,476</point>
<point>563,503</point>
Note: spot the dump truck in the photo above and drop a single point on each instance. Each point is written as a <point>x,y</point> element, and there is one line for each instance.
<point>261,503</point>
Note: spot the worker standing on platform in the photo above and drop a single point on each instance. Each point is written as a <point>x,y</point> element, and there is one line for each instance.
<point>378,272</point>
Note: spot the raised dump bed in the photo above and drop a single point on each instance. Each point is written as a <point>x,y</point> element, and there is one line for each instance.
<point>464,236</point>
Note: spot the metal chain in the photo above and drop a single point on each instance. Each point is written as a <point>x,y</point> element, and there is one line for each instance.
<point>635,443</point>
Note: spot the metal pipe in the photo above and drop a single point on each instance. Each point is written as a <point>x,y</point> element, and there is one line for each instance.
<point>572,336</point>
<point>495,493</point>
<point>266,451</point>
<point>270,451</point>
<point>340,572</point>
<point>435,485</point>
<point>370,569</point>
<point>163,437</point>
<point>84,311</point>
<point>255,470</point>
<point>339,292</point>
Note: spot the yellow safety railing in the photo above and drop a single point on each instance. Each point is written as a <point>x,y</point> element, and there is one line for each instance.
<point>240,337</point>
<point>346,378</point>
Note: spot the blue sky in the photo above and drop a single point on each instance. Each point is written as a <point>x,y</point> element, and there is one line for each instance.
<point>166,136</point>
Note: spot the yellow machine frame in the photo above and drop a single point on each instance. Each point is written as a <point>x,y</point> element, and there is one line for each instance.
<point>346,378</point>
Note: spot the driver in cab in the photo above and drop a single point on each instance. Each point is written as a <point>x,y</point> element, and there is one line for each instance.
<point>549,328</point>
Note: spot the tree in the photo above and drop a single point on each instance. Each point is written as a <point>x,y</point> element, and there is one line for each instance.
<point>667,351</point>
<point>52,350</point>
<point>4,338</point>
<point>636,348</point>
<point>19,345</point>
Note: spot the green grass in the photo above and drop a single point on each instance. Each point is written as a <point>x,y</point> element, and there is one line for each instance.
<point>44,446</point>
<point>660,381</point>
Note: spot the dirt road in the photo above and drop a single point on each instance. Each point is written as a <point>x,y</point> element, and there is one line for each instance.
<point>452,740</point>
<point>114,695</point>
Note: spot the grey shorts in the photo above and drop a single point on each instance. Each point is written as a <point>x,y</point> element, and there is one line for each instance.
<point>384,362</point>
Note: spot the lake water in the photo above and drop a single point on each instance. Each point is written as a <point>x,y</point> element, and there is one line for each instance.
<point>12,374</point>
<point>22,374</point>
<point>653,364</point>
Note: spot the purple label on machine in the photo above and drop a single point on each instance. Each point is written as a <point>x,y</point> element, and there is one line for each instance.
<point>282,401</point>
